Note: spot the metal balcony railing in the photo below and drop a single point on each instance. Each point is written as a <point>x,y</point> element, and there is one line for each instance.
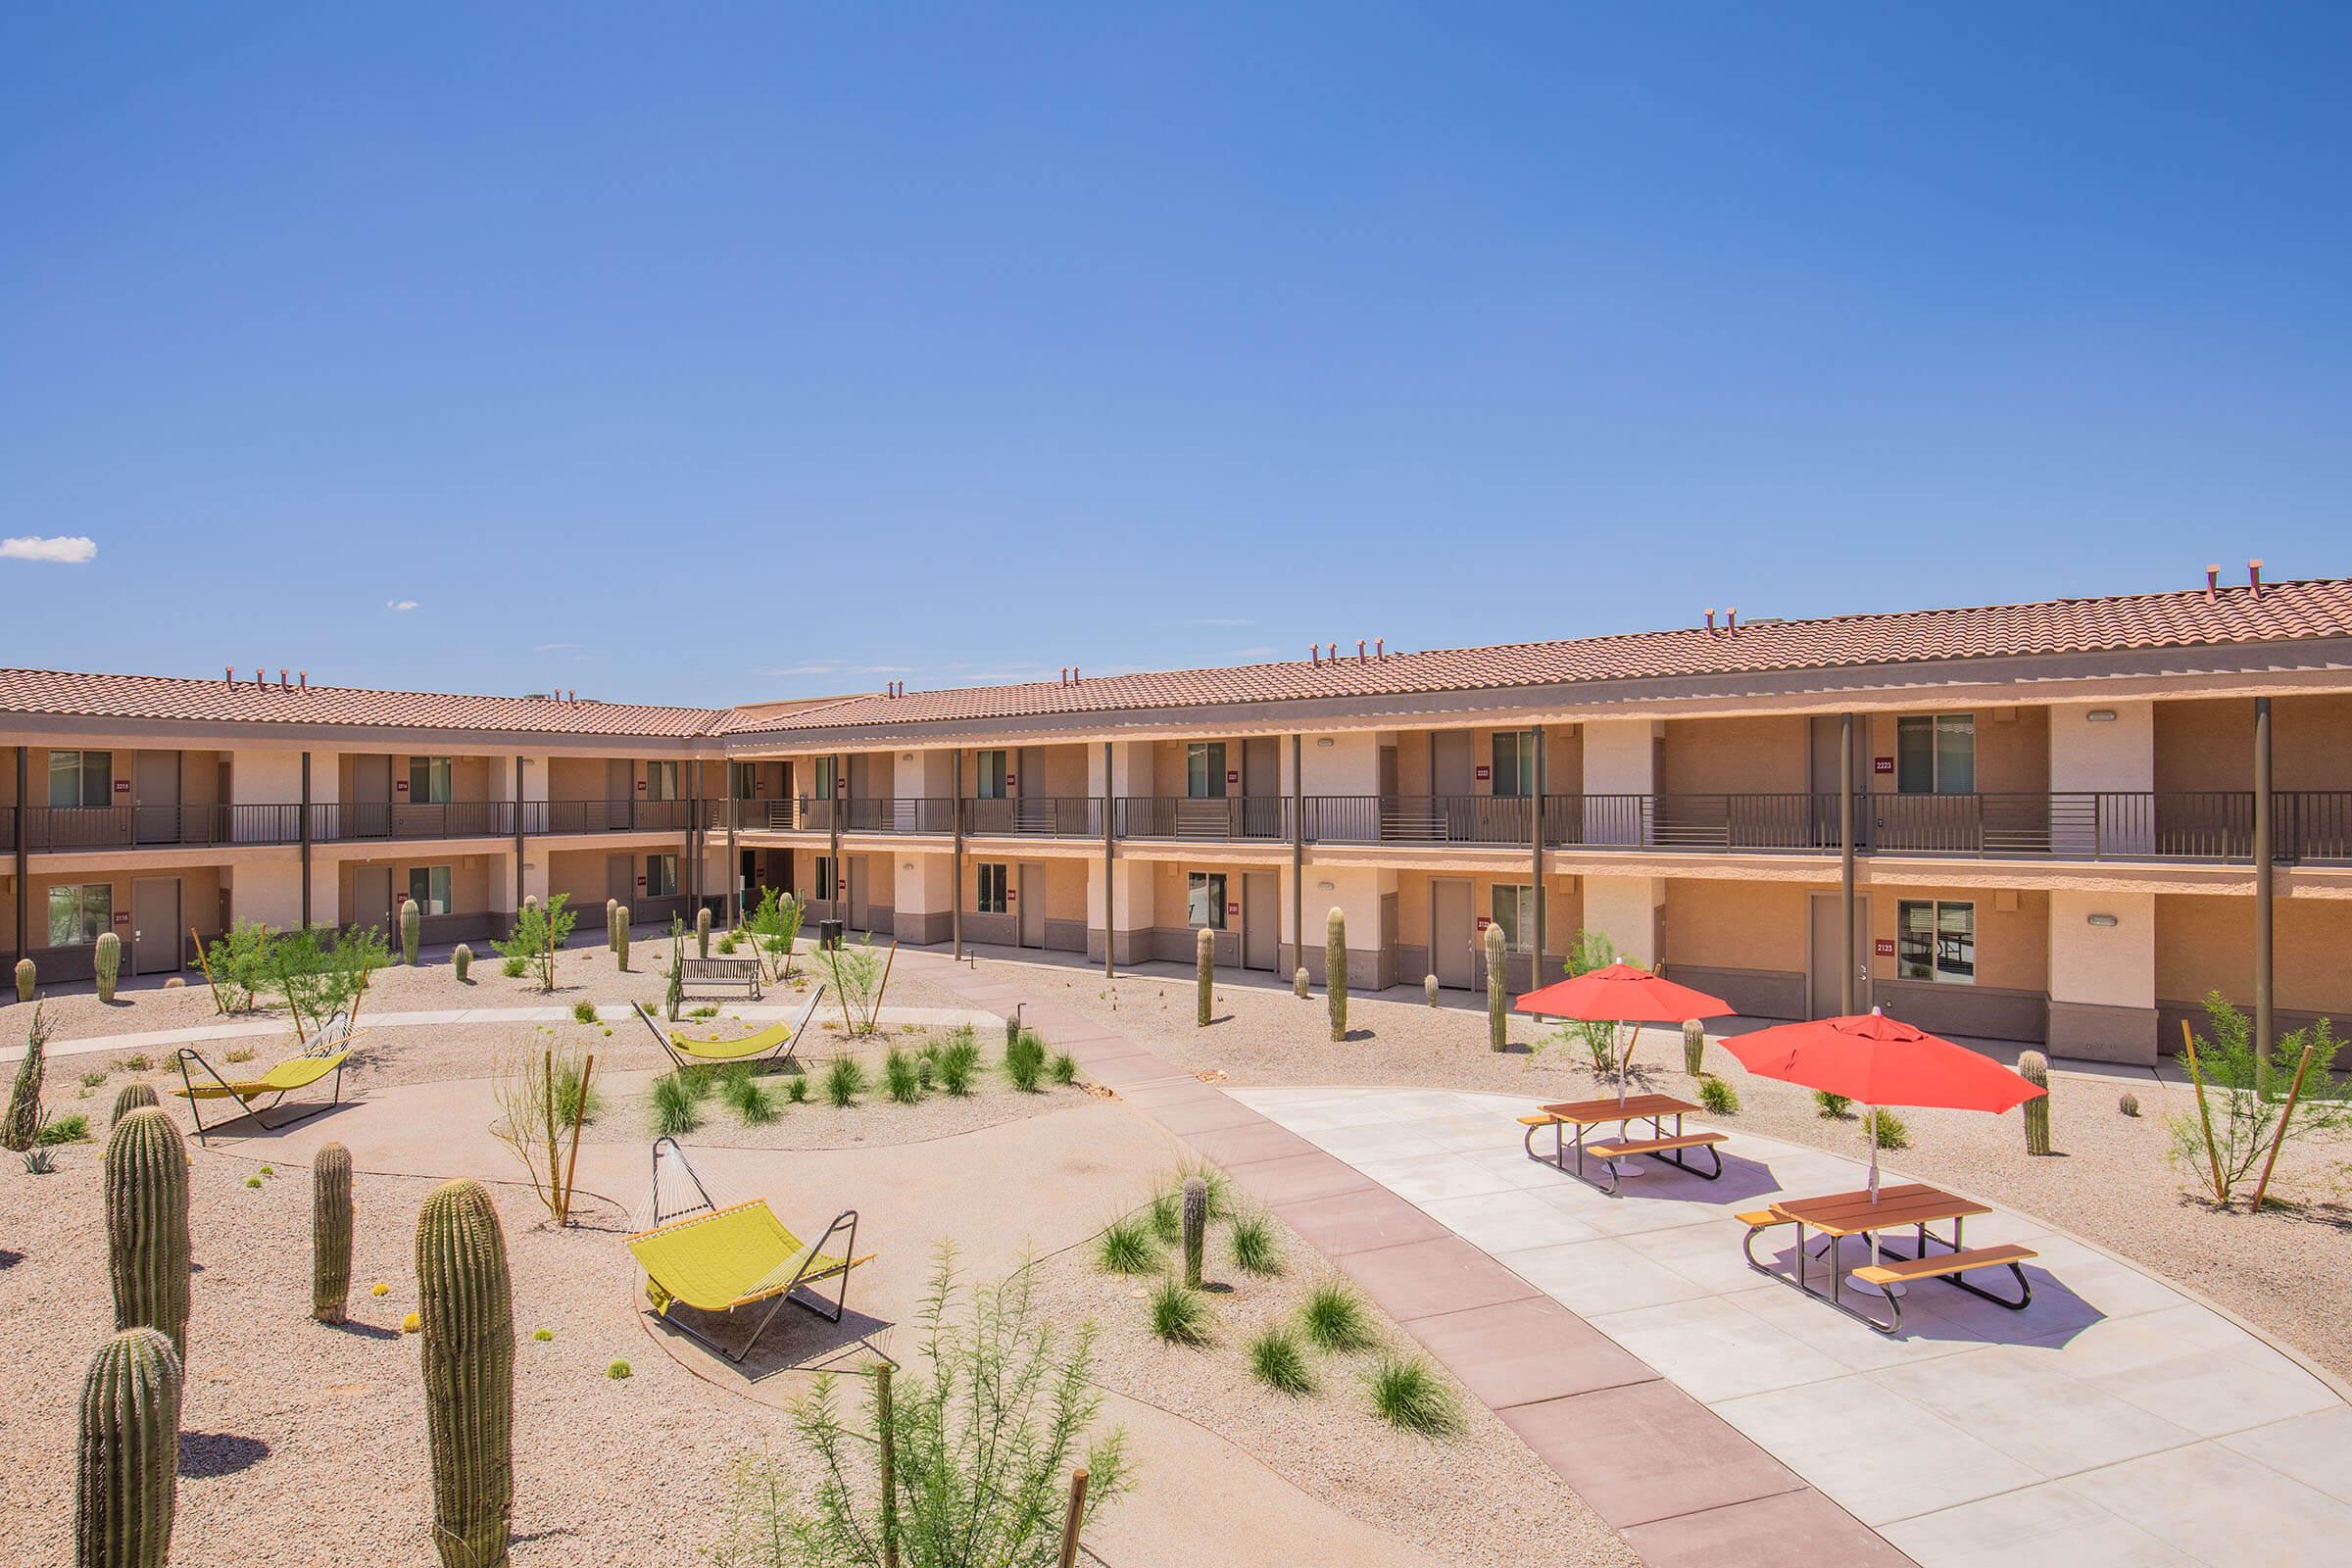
<point>352,821</point>
<point>1050,816</point>
<point>111,827</point>
<point>1230,818</point>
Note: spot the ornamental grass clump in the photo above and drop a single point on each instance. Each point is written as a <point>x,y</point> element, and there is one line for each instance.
<point>1180,1316</point>
<point>1719,1098</point>
<point>1025,1062</point>
<point>751,1101</point>
<point>1833,1107</point>
<point>958,1062</point>
<point>1278,1358</point>
<point>1255,1247</point>
<point>1407,1393</point>
<point>1888,1129</point>
<point>1127,1246</point>
<point>901,1078</point>
<point>1336,1319</point>
<point>676,1108</point>
<point>844,1081</point>
<point>1062,1068</point>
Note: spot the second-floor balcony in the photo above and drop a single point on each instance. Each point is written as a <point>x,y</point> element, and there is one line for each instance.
<point>124,827</point>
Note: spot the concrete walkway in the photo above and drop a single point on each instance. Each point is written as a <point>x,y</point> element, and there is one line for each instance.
<point>2114,1421</point>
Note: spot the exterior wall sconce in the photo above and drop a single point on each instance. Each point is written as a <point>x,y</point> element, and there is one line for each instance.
<point>1324,740</point>
<point>2101,715</point>
<point>2102,920</point>
<point>1323,887</point>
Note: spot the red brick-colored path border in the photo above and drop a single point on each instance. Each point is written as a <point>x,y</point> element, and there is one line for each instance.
<point>1675,1479</point>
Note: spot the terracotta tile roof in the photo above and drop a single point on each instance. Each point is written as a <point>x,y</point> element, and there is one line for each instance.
<point>164,697</point>
<point>2284,611</point>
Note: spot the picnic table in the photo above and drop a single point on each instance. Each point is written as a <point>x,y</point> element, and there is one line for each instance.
<point>1908,1205</point>
<point>1584,1114</point>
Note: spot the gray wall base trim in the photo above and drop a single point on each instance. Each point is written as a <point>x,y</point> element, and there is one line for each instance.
<point>1984,1011</point>
<point>1752,992</point>
<point>2096,1032</point>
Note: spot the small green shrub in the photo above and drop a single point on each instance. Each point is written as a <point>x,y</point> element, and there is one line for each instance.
<point>2129,1104</point>
<point>137,1062</point>
<point>617,1370</point>
<point>705,1011</point>
<point>576,1097</point>
<point>1890,1131</point>
<point>67,1129</point>
<point>92,1079</point>
<point>1336,1319</point>
<point>900,1077</point>
<point>253,1181</point>
<point>514,968</point>
<point>1255,1248</point>
<point>749,1099</point>
<point>1179,1316</point>
<point>726,944</point>
<point>543,1335</point>
<point>844,1081</point>
<point>1407,1393</point>
<point>1165,1216</point>
<point>584,1013</point>
<point>268,1170</point>
<point>795,1089</point>
<point>1835,1106</point>
<point>1718,1097</point>
<point>676,1108</point>
<point>958,1063</point>
<point>1062,1068</point>
<point>1025,1062</point>
<point>240,1054</point>
<point>1277,1360</point>
<point>1127,1246</point>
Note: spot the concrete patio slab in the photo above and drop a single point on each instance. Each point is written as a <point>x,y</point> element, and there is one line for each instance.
<point>2223,1508</point>
<point>1357,1221</point>
<point>2045,1524</point>
<point>1424,1278</point>
<point>1647,1451</point>
<point>1527,1351</point>
<point>1882,1459</point>
<point>2309,1447</point>
<point>1299,1178</point>
<point>1787,1530</point>
<point>2011,1399</point>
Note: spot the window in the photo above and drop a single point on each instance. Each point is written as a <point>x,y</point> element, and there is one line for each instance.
<point>828,880</point>
<point>1515,762</point>
<point>1204,900</point>
<point>660,875</point>
<point>993,885</point>
<point>428,781</point>
<point>429,886</point>
<point>1204,771</point>
<point>81,778</point>
<point>1514,910</point>
<point>826,776</point>
<point>989,782</point>
<point>1935,754</point>
<point>661,781</point>
<point>743,781</point>
<point>77,915</point>
<point>1935,941</point>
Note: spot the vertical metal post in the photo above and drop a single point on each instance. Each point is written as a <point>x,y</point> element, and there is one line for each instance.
<point>23,849</point>
<point>1109,857</point>
<point>519,825</point>
<point>734,854</point>
<point>955,892</point>
<point>1298,851</point>
<point>1846,1000</point>
<point>306,840</point>
<point>2264,880</point>
<point>692,881</point>
<point>1535,960</point>
<point>836,801</point>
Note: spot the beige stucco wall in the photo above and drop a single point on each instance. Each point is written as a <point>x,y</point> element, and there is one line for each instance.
<point>1619,755</point>
<point>2103,965</point>
<point>1721,924</point>
<point>1625,907</point>
<point>199,901</point>
<point>2118,753</point>
<point>2206,943</point>
<point>1770,756</point>
<point>2209,745</point>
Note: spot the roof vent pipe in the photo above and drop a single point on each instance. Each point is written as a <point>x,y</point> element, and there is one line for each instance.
<point>2254,575</point>
<point>1710,620</point>
<point>261,678</point>
<point>2213,581</point>
<point>1073,674</point>
<point>1314,653</point>
<point>228,674</point>
<point>281,678</point>
<point>1359,650</point>
<point>1380,648</point>
<point>302,676</point>
<point>1731,618</point>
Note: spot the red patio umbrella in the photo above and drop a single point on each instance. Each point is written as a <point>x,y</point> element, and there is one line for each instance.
<point>1875,1061</point>
<point>1619,992</point>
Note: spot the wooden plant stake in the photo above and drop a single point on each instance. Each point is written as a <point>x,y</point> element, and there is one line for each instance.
<point>1073,1519</point>
<point>554,1151</point>
<point>874,1014</point>
<point>206,965</point>
<point>579,1114</point>
<point>889,1467</point>
<point>2188,1044</point>
<point>2280,1137</point>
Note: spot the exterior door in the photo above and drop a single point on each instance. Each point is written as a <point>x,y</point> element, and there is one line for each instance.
<point>372,898</point>
<point>1031,810</point>
<point>370,799</point>
<point>856,871</point>
<point>1451,933</point>
<point>1030,894</point>
<point>1261,934</point>
<point>155,925</point>
<point>1824,979</point>
<point>1261,789</point>
<point>621,877</point>
<point>1449,764</point>
<point>620,793</point>
<point>155,797</point>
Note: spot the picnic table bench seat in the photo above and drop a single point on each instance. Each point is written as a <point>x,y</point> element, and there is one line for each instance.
<point>1901,1270</point>
<point>1664,1144</point>
<point>743,972</point>
<point>1908,1206</point>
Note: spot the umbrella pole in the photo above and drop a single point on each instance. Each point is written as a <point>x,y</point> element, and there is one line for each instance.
<point>1625,1065</point>
<point>1869,1122</point>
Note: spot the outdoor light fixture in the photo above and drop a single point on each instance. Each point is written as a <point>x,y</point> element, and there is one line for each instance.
<point>2101,715</point>
<point>1323,740</point>
<point>1322,887</point>
<point>2102,919</point>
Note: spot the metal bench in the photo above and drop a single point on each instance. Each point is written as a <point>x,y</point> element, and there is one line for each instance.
<point>731,972</point>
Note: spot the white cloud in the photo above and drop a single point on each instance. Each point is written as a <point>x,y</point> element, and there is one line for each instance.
<point>1218,620</point>
<point>64,550</point>
<point>1251,656</point>
<point>400,604</point>
<point>881,669</point>
<point>553,647</point>
<point>801,669</point>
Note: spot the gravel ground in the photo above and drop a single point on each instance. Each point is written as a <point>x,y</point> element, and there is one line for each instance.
<point>2109,1180</point>
<point>1441,1493</point>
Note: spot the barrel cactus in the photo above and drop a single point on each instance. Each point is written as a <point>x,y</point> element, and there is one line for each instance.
<point>1335,970</point>
<point>331,1232</point>
<point>1205,966</point>
<point>1196,1228</point>
<point>1498,990</point>
<point>146,1182</point>
<point>1694,1048</point>
<point>126,1470</point>
<point>2129,1103</point>
<point>107,964</point>
<point>130,1097</point>
<point>1429,988</point>
<point>702,932</point>
<point>412,930</point>
<point>2034,1068</point>
<point>27,978</point>
<point>620,934</point>
<point>466,1316</point>
<point>460,959</point>
<point>1299,983</point>
<point>24,1120</point>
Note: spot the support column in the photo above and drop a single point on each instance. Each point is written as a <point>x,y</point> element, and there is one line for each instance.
<point>1846,1000</point>
<point>690,879</point>
<point>2265,880</point>
<point>306,840</point>
<point>835,803</point>
<point>1535,867</point>
<point>521,815</point>
<point>1298,851</point>
<point>1110,859</point>
<point>23,849</point>
<point>735,855</point>
<point>956,894</point>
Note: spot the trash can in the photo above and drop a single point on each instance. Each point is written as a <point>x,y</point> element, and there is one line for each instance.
<point>828,934</point>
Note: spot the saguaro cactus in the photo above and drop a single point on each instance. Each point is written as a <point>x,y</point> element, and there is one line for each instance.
<point>611,943</point>
<point>146,1182</point>
<point>331,1232</point>
<point>467,1313</point>
<point>27,978</point>
<point>1498,990</point>
<point>1429,988</point>
<point>412,930</point>
<point>127,1473</point>
<point>1694,1048</point>
<point>702,932</point>
<point>24,1120</point>
<point>1196,1228</point>
<point>130,1097</point>
<point>621,933</point>
<point>1299,983</point>
<point>1335,970</point>
<point>460,959</point>
<point>107,963</point>
<point>2034,1068</point>
<point>1205,969</point>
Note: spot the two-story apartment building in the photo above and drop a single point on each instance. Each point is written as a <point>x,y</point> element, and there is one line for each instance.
<point>2061,822</point>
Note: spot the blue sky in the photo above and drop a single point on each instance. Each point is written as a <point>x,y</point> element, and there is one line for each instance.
<point>704,354</point>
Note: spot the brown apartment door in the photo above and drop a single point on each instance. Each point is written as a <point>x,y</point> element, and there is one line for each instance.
<point>371,798</point>
<point>1824,989</point>
<point>371,896</point>
<point>155,925</point>
<point>857,911</point>
<point>155,797</point>
<point>1031,810</point>
<point>1261,789</point>
<point>1449,933</point>
<point>1450,762</point>
<point>620,878</point>
<point>620,791</point>
<point>1260,934</point>
<point>1032,900</point>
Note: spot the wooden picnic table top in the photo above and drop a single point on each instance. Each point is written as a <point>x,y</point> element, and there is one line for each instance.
<point>1854,1214</point>
<point>1634,1106</point>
